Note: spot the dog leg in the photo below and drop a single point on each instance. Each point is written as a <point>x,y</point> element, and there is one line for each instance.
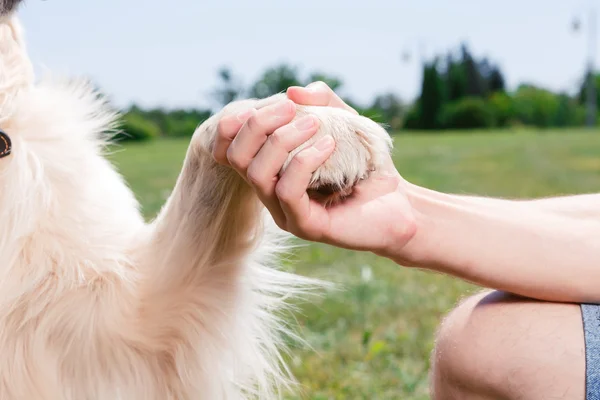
<point>209,299</point>
<point>16,70</point>
<point>206,260</point>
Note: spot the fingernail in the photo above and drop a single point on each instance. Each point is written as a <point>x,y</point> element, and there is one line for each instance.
<point>325,143</point>
<point>305,123</point>
<point>313,87</point>
<point>244,115</point>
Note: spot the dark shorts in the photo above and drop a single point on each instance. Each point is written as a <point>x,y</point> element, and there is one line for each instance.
<point>591,329</point>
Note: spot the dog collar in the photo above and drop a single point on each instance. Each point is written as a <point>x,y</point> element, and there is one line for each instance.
<point>5,144</point>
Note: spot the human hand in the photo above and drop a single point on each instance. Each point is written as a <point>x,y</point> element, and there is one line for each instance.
<point>375,217</point>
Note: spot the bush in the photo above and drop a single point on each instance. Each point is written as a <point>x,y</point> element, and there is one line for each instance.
<point>178,122</point>
<point>535,106</point>
<point>137,128</point>
<point>502,107</point>
<point>569,112</point>
<point>183,123</point>
<point>412,118</point>
<point>467,113</point>
<point>181,127</point>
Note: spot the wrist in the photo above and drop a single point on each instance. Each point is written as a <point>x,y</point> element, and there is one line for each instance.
<point>408,246</point>
<point>438,219</point>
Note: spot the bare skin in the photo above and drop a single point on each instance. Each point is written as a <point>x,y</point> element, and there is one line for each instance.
<point>495,347</point>
<point>500,346</point>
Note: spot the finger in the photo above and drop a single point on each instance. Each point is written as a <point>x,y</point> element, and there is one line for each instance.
<point>263,171</point>
<point>255,131</point>
<point>317,94</point>
<point>228,128</point>
<point>291,190</point>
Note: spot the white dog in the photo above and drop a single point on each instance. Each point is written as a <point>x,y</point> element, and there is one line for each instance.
<point>97,304</point>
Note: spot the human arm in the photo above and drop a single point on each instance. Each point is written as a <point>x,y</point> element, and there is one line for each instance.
<point>545,248</point>
<point>534,248</point>
<point>584,205</point>
<point>581,205</point>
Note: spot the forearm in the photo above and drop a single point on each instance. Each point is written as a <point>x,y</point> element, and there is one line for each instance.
<point>196,245</point>
<point>581,205</point>
<point>506,245</point>
<point>208,219</point>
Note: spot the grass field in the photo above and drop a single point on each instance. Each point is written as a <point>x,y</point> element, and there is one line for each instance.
<point>372,339</point>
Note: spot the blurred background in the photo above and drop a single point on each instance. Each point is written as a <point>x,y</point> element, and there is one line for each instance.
<point>487,98</point>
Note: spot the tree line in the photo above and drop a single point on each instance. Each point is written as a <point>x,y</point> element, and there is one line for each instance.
<point>461,92</point>
<point>458,91</point>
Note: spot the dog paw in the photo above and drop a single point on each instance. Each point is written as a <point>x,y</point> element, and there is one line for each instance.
<point>361,147</point>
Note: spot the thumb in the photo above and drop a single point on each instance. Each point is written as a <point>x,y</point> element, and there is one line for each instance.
<point>317,94</point>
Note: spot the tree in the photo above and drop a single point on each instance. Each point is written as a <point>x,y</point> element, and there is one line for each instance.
<point>496,81</point>
<point>456,79</point>
<point>275,80</point>
<point>476,86</point>
<point>332,81</point>
<point>228,88</point>
<point>389,109</point>
<point>582,95</point>
<point>448,83</point>
<point>432,97</point>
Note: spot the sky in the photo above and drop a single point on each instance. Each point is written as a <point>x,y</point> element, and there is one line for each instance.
<point>144,52</point>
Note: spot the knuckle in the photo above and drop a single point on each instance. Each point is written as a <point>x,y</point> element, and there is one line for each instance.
<point>218,152</point>
<point>254,124</point>
<point>227,129</point>
<point>282,191</point>
<point>222,128</point>
<point>219,157</point>
<point>255,177</point>
<point>233,158</point>
<point>277,139</point>
<point>301,160</point>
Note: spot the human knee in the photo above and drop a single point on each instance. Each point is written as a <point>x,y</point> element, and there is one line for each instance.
<point>495,345</point>
<point>464,354</point>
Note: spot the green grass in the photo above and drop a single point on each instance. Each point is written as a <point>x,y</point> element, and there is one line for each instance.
<point>372,339</point>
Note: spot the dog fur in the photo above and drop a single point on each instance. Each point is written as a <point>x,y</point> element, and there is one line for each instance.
<point>8,6</point>
<point>95,303</point>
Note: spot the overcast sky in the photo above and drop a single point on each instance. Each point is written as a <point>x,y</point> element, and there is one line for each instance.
<point>141,51</point>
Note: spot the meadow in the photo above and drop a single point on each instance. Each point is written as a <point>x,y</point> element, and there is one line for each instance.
<point>372,337</point>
